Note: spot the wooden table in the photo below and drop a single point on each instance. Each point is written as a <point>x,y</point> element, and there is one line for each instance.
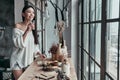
<point>36,70</point>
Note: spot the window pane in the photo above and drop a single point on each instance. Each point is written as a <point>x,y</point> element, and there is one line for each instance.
<point>92,40</point>
<point>112,9</point>
<point>95,71</point>
<point>86,10</point>
<point>112,50</point>
<point>98,9</point>
<point>92,11</point>
<point>80,13</point>
<point>86,69</point>
<point>86,42</point>
<point>97,42</point>
<point>86,37</point>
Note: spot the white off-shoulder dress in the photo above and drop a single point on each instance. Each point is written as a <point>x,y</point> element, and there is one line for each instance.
<point>23,51</point>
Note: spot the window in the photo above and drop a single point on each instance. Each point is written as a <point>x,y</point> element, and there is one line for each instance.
<point>99,40</point>
<point>112,49</point>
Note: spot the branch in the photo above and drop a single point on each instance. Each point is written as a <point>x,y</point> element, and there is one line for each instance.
<point>61,11</point>
<point>66,5</point>
<point>52,3</point>
<point>56,11</point>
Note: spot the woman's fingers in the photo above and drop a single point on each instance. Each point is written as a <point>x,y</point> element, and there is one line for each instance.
<point>42,56</point>
<point>32,26</point>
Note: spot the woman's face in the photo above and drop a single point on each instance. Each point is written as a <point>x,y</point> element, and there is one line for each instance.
<point>29,14</point>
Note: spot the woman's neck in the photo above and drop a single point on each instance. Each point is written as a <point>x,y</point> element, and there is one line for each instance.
<point>26,23</point>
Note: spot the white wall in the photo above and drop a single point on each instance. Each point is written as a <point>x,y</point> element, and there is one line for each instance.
<point>18,5</point>
<point>51,36</point>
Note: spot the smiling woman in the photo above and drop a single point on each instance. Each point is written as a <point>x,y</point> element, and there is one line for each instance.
<point>25,45</point>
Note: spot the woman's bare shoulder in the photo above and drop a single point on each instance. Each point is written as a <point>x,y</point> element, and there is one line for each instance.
<point>18,25</point>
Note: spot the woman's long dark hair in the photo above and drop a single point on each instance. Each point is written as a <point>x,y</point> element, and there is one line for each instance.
<point>33,31</point>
